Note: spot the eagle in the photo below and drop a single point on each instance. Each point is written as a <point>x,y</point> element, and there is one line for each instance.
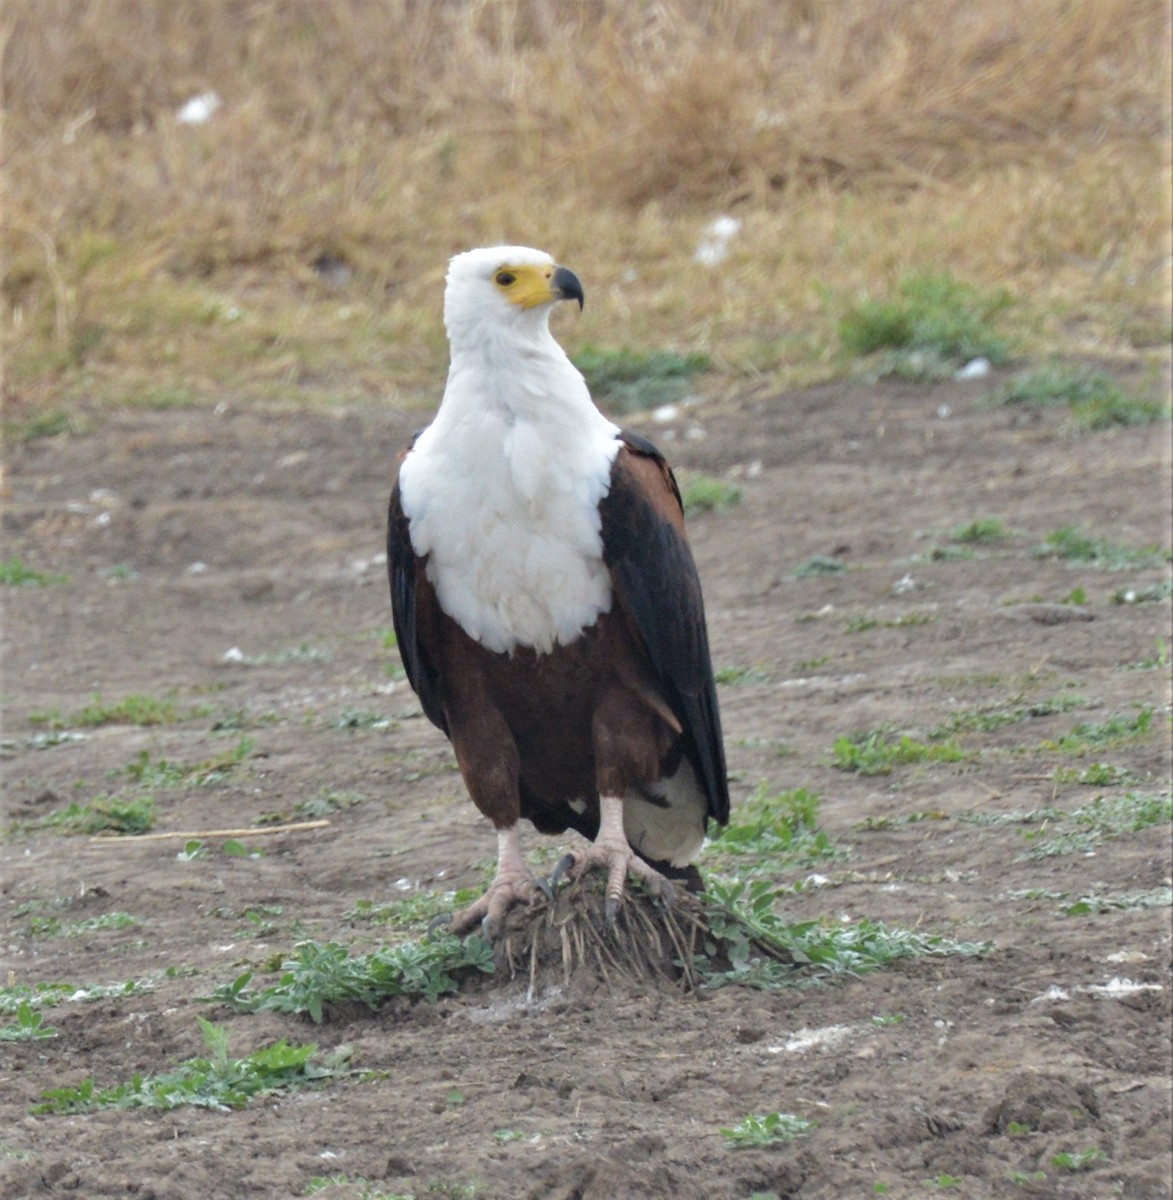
<point>547,606</point>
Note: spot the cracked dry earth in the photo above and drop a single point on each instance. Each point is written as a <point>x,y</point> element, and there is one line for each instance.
<point>228,564</point>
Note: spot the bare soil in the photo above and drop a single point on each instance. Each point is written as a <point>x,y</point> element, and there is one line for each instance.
<point>230,561</point>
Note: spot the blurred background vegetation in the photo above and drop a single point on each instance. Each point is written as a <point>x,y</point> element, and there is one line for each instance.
<point>292,246</point>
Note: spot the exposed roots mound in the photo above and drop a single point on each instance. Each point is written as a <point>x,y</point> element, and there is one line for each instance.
<point>548,944</point>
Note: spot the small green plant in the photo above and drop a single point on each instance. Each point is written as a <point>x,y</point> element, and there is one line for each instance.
<point>877,752</point>
<point>933,323</point>
<point>14,573</point>
<point>626,381</point>
<point>1096,400</point>
<point>819,565</point>
<point>49,995</point>
<point>1096,775</point>
<point>1091,735</point>
<point>217,1082</point>
<point>30,1026</point>
<point>768,1130</point>
<point>734,675</point>
<point>946,1182</point>
<point>1079,1160</point>
<point>1071,544</point>
<point>762,951</point>
<point>328,974</point>
<point>984,531</point>
<point>105,814</point>
<point>412,912</point>
<point>782,825</point>
<point>353,719</point>
<point>1104,817</point>
<point>703,494</point>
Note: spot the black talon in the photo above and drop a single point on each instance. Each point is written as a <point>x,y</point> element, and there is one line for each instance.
<point>610,912</point>
<point>558,873</point>
<point>436,923</point>
<point>546,886</point>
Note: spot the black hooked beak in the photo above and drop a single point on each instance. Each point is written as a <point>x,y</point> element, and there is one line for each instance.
<point>565,286</point>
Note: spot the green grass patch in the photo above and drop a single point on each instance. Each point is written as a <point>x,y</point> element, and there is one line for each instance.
<point>104,814</point>
<point>1071,544</point>
<point>1095,399</point>
<point>992,717</point>
<point>49,995</point>
<point>15,573</point>
<point>52,926</point>
<point>626,381</point>
<point>932,325</point>
<point>733,675</point>
<point>865,623</point>
<point>216,1082</point>
<point>320,975</point>
<point>1099,902</point>
<point>1104,818</point>
<point>770,1129</point>
<point>135,709</point>
<point>411,913</point>
<point>704,494</point>
<point>817,565</point>
<point>985,531</point>
<point>750,945</point>
<point>1089,736</point>
<point>783,825</point>
<point>878,752</point>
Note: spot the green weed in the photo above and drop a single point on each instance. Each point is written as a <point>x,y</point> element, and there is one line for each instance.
<point>734,675</point>
<point>1079,1160</point>
<point>626,381</point>
<point>819,565</point>
<point>135,709</point>
<point>704,494</point>
<point>14,573</point>
<point>217,1082</point>
<point>104,814</point>
<point>877,752</point>
<point>328,974</point>
<point>1090,735</point>
<point>933,324</point>
<point>30,1026</point>
<point>1070,544</point>
<point>1096,400</point>
<point>49,995</point>
<point>984,531</point>
<point>411,912</point>
<point>768,1130</point>
<point>784,825</point>
<point>1105,817</point>
<point>1119,902</point>
<point>752,946</point>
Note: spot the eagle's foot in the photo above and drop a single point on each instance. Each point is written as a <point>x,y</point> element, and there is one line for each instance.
<point>612,852</point>
<point>500,896</point>
<point>514,883</point>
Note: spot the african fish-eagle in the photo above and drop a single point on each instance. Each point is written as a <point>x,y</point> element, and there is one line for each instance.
<point>546,603</point>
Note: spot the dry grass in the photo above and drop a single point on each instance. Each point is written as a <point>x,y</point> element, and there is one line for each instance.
<point>1023,146</point>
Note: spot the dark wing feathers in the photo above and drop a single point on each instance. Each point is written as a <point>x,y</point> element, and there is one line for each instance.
<point>402,567</point>
<point>656,584</point>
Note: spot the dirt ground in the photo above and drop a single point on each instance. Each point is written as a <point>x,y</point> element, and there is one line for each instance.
<point>229,562</point>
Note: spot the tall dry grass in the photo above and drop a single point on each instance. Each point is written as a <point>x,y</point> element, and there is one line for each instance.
<point>1024,145</point>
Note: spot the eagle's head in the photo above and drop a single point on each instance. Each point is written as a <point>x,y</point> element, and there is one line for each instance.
<point>506,287</point>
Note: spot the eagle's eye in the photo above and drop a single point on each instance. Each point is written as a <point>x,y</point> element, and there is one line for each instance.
<point>505,278</point>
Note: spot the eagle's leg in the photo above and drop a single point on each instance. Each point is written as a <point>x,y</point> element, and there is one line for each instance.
<point>612,851</point>
<point>514,883</point>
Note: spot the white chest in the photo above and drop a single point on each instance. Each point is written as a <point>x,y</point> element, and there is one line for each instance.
<point>507,512</point>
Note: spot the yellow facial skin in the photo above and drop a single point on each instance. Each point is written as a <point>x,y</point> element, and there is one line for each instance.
<point>529,286</point>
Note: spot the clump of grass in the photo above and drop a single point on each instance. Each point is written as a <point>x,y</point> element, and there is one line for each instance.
<point>765,1130</point>
<point>733,675</point>
<point>1071,544</point>
<point>412,912</point>
<point>1095,399</point>
<point>703,494</point>
<point>818,564</point>
<point>933,324</point>
<point>626,381</point>
<point>320,975</point>
<point>1104,818</point>
<point>877,752</point>
<point>135,709</point>
<point>15,573</point>
<point>49,995</point>
<point>783,825</point>
<point>983,531</point>
<point>105,814</point>
<point>1092,735</point>
<point>216,1082</point>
